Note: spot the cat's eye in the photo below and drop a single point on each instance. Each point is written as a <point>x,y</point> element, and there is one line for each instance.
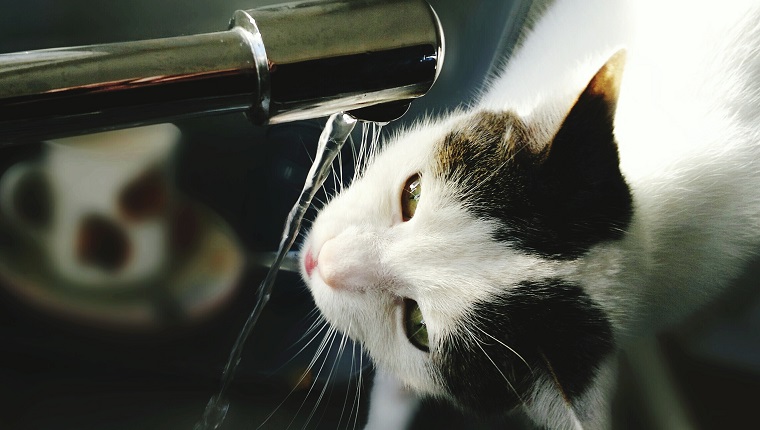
<point>410,196</point>
<point>416,330</point>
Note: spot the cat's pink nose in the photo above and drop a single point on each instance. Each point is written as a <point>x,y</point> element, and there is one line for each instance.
<point>309,262</point>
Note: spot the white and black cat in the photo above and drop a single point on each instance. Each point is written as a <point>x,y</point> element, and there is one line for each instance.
<point>605,184</point>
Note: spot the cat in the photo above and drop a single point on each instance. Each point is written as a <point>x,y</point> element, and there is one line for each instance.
<point>605,184</point>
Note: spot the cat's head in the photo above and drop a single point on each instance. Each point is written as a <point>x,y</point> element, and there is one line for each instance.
<point>453,259</point>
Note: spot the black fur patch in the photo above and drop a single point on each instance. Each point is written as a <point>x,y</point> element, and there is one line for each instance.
<point>556,202</point>
<point>556,328</point>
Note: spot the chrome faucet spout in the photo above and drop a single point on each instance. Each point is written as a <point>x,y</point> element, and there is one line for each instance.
<point>279,63</point>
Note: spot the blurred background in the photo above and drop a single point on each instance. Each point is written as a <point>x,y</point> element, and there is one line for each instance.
<point>152,357</point>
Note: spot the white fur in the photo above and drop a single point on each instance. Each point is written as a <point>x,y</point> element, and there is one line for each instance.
<point>687,125</point>
<point>393,406</point>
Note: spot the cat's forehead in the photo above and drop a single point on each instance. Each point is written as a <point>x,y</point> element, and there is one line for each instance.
<point>416,147</point>
<point>484,130</point>
<point>456,147</point>
<point>480,144</point>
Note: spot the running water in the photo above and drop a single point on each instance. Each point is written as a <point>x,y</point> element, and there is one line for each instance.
<point>337,130</point>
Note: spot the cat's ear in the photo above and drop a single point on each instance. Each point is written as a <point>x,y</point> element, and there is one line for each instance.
<point>604,87</point>
<point>582,193</point>
<point>585,142</point>
<point>590,121</point>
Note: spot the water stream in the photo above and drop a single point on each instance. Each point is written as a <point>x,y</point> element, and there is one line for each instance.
<point>337,130</point>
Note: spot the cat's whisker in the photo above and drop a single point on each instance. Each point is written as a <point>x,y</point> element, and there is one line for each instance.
<point>368,148</point>
<point>305,346</point>
<point>472,188</point>
<point>341,351</point>
<point>358,393</point>
<point>313,313</point>
<point>337,170</point>
<point>306,149</point>
<point>358,155</point>
<point>355,403</point>
<point>354,155</point>
<point>364,149</point>
<point>378,130</point>
<point>506,346</point>
<point>341,348</point>
<point>328,339</point>
<point>332,195</point>
<point>373,144</point>
<point>318,200</point>
<point>363,146</point>
<point>305,372</point>
<point>277,408</point>
<point>318,319</point>
<point>476,341</point>
<point>333,333</point>
<point>501,373</point>
<point>323,187</point>
<point>340,171</point>
<point>359,385</point>
<point>334,179</point>
<point>345,400</point>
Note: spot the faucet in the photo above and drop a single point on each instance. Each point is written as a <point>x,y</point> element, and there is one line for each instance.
<point>279,63</point>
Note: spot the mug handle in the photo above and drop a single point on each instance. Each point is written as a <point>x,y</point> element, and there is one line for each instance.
<point>39,211</point>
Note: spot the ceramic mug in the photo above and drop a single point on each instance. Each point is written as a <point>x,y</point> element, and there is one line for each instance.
<point>98,205</point>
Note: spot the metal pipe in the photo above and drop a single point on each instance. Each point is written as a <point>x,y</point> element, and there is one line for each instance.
<point>280,63</point>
